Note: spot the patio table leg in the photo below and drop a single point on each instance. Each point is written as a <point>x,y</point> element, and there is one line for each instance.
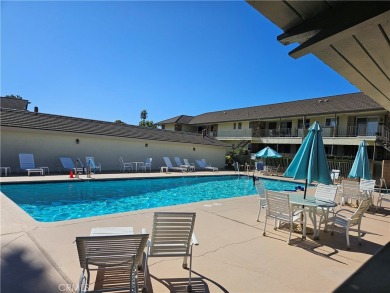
<point>313,218</point>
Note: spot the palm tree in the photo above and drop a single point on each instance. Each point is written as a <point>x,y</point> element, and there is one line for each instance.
<point>144,115</point>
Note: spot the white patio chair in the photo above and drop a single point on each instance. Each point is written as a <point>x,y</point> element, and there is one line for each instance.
<point>168,163</point>
<point>259,184</point>
<point>342,219</point>
<point>173,236</point>
<point>384,195</point>
<point>349,191</point>
<point>335,175</point>
<point>279,208</point>
<point>367,188</point>
<point>125,165</point>
<point>325,193</point>
<point>122,254</point>
<point>146,165</point>
<point>91,163</point>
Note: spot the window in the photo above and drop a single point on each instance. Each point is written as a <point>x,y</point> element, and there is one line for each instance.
<point>239,125</point>
<point>330,122</point>
<point>177,127</point>
<point>234,125</point>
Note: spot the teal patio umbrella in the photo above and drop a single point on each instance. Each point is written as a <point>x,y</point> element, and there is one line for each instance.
<point>268,152</point>
<point>310,161</point>
<point>361,165</point>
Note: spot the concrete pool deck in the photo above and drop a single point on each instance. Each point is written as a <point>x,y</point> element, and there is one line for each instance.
<point>232,255</point>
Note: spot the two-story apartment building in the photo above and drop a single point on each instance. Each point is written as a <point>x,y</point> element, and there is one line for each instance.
<point>346,120</point>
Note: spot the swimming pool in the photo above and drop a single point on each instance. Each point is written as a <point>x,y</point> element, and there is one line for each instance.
<point>52,202</point>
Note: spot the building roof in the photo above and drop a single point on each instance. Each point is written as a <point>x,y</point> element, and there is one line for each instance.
<point>41,121</point>
<point>13,103</point>
<point>182,119</point>
<point>346,103</point>
<point>352,37</point>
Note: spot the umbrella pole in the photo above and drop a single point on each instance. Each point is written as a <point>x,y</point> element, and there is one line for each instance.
<point>304,193</point>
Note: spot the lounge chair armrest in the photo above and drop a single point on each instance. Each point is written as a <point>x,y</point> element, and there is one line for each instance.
<point>194,240</point>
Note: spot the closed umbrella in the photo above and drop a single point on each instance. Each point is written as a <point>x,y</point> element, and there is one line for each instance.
<point>310,162</point>
<point>267,152</point>
<point>361,165</point>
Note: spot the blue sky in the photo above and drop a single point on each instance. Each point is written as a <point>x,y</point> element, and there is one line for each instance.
<point>110,60</point>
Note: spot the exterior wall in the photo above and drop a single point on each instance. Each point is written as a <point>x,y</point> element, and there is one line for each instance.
<point>169,127</point>
<point>48,146</point>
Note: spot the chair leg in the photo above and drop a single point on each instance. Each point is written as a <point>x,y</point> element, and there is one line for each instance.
<point>265,224</point>
<point>189,286</point>
<point>291,228</point>
<point>347,235</point>
<point>258,215</point>
<point>360,239</point>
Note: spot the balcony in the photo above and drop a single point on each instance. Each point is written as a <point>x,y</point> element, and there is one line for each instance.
<point>341,131</point>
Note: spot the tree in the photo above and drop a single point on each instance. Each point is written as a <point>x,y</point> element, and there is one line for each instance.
<point>14,97</point>
<point>144,115</point>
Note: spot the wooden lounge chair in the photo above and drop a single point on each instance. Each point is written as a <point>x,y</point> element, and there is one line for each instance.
<point>121,254</point>
<point>173,236</point>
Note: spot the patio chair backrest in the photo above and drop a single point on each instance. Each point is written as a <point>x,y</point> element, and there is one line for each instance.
<point>368,185</point>
<point>325,192</point>
<point>363,207</point>
<point>172,233</point>
<point>79,163</point>
<point>100,248</point>
<point>259,185</point>
<point>26,161</point>
<point>350,187</point>
<point>278,205</point>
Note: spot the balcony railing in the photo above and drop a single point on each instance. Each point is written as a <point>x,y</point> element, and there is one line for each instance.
<point>341,131</point>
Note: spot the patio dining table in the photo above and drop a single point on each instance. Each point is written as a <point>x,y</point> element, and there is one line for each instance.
<point>311,204</point>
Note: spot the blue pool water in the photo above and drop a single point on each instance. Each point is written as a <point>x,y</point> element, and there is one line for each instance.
<point>52,202</point>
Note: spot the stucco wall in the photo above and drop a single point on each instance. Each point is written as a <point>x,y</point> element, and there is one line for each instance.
<point>47,147</point>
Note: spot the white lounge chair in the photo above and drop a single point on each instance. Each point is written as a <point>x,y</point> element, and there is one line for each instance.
<point>203,165</point>
<point>180,164</point>
<point>342,219</point>
<point>325,193</point>
<point>125,165</point>
<point>259,184</point>
<point>168,162</point>
<point>68,165</point>
<point>189,165</point>
<point>91,164</point>
<point>122,254</point>
<point>279,208</point>
<point>173,236</point>
<point>27,163</point>
<point>147,165</point>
